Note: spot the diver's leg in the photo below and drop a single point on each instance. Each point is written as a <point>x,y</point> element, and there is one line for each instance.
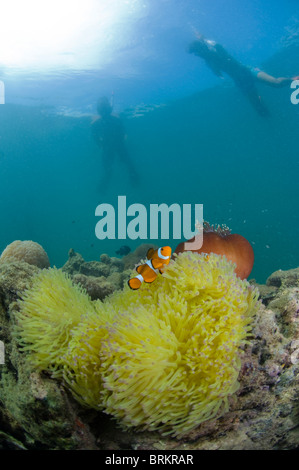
<point>272,81</point>
<point>257,103</point>
<point>125,157</point>
<point>106,177</point>
<point>248,88</point>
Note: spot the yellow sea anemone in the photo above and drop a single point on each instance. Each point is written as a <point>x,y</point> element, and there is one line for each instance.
<point>172,358</point>
<point>165,357</point>
<point>48,312</point>
<point>82,367</point>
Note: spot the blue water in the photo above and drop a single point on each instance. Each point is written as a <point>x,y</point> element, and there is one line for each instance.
<point>193,137</point>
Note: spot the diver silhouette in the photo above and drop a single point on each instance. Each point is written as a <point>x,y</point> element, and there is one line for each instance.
<point>245,78</point>
<point>109,134</point>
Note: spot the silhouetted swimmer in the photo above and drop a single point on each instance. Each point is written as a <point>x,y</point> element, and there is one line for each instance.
<point>245,78</point>
<point>109,134</point>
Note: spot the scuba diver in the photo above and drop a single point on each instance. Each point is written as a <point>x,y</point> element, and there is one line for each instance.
<point>109,134</point>
<point>245,78</point>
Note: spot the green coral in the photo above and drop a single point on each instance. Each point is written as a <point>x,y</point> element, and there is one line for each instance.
<point>165,357</point>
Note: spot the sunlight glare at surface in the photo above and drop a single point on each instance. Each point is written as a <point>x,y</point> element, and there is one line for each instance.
<point>73,34</point>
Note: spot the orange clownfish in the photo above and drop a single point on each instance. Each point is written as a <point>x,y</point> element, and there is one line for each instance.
<point>147,272</point>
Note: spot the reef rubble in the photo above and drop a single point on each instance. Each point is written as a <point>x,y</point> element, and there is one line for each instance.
<point>37,412</point>
<point>101,278</point>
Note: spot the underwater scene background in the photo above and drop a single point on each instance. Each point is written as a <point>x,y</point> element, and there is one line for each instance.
<point>193,137</point>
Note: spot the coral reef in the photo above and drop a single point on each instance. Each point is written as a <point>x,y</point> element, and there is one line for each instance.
<point>101,278</point>
<point>28,251</point>
<point>131,260</point>
<point>37,412</point>
<point>14,277</point>
<point>164,358</point>
<point>98,287</point>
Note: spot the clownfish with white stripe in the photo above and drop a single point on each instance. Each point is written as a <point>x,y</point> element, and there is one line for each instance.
<point>156,262</point>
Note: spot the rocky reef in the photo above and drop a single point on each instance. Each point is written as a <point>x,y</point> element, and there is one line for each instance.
<point>37,412</point>
<point>101,278</point>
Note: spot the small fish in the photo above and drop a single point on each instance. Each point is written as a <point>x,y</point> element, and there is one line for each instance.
<point>147,272</point>
<point>123,250</point>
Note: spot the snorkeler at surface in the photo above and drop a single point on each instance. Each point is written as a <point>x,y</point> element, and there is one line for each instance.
<point>109,134</point>
<point>219,60</point>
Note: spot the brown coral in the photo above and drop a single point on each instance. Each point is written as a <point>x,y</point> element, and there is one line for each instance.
<point>101,278</point>
<point>28,251</point>
<point>96,287</point>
